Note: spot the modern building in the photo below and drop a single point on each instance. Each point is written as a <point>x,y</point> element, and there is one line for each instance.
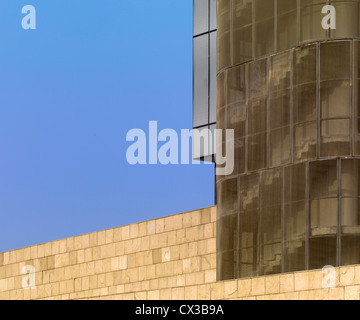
<point>288,84</point>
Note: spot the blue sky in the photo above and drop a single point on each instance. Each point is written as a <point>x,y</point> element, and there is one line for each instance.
<point>69,92</point>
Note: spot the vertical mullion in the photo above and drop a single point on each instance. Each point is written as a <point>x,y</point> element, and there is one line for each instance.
<point>307,214</point>
<point>275,26</point>
<point>283,221</point>
<point>318,111</point>
<point>261,196</point>
<point>338,242</point>
<point>352,98</point>
<point>298,22</point>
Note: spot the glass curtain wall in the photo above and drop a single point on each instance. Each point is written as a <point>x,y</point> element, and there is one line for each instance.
<point>289,89</point>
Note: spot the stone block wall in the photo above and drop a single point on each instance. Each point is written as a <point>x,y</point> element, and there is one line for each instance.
<point>167,258</point>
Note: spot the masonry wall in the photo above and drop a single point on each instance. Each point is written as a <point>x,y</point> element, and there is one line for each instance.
<point>166,258</point>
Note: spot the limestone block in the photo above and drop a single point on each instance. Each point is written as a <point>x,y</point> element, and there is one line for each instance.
<point>148,258</point>
<point>93,282</point>
<point>286,283</point>
<point>213,213</point>
<point>51,262</point>
<point>142,229</point>
<point>191,264</point>
<point>151,227</point>
<point>110,278</point>
<point>156,256</point>
<point>209,230</point>
<point>114,263</point>
<point>145,243</point>
<point>194,233</point>
<point>230,289</point>
<point>105,265</point>
<point>46,276</point>
<point>101,280</point>
<point>109,236</point>
<point>109,250</point>
<point>134,230</point>
<point>195,218</point>
<point>210,276</point>
<point>315,279</point>
<point>301,281</point>
<point>62,246</point>
<point>180,280</point>
<point>27,253</point>
<point>244,288</point>
<point>131,260</point>
<point>119,248</point>
<point>139,259</point>
<point>136,244</point>
<point>201,247</point>
<point>62,288</point>
<point>165,254</point>
<point>140,295</point>
<point>93,239</point>
<point>211,245</point>
<point>72,259</point>
<point>33,253</point>
<point>172,281</point>
<point>193,249</point>
<point>69,246</point>
<point>80,258</point>
<point>150,272</point>
<point>153,295</point>
<point>154,284</point>
<point>171,238</point>
<point>175,252</point>
<point>272,284</point>
<point>203,292</point>
<point>154,242</point>
<point>88,254</point>
<point>178,293</point>
<point>205,216</point>
<point>159,225</point>
<point>337,293</point>
<point>352,292</point>
<point>125,233</point>
<point>145,285</point>
<point>186,219</point>
<point>217,291</point>
<point>41,251</point>
<point>347,275</point>
<point>291,296</point>
<point>191,293</point>
<point>104,291</point>
<point>163,283</point>
<point>180,236</point>
<point>206,262</point>
<point>160,270</point>
<point>258,286</point>
<point>47,251</point>
<point>184,250</point>
<point>165,294</point>
<point>55,288</point>
<point>61,260</point>
<point>194,278</point>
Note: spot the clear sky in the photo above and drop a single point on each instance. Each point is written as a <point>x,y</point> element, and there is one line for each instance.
<point>69,92</point>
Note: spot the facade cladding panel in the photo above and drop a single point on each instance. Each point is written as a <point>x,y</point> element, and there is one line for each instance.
<point>204,73</point>
<point>290,90</point>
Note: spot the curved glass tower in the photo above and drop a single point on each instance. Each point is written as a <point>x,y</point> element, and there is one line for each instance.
<point>288,84</point>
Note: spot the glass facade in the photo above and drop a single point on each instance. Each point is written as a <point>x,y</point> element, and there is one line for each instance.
<point>290,90</point>
<point>204,70</point>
